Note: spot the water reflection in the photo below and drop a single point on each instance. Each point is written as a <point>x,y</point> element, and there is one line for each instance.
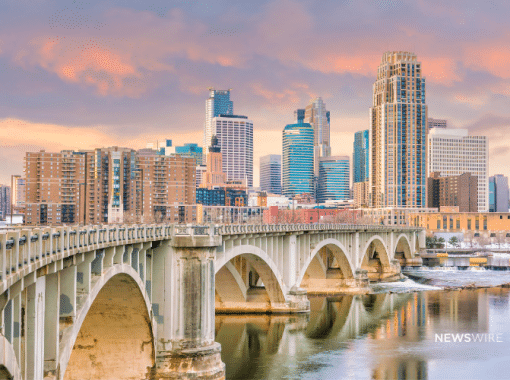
<point>381,336</point>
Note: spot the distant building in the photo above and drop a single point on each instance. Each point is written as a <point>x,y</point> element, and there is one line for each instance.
<point>360,194</point>
<point>210,197</point>
<point>235,138</point>
<point>200,174</point>
<point>214,175</point>
<point>191,150</point>
<point>18,194</point>
<point>461,191</point>
<point>360,156</point>
<point>333,181</point>
<point>297,159</point>
<point>437,123</point>
<point>271,173</point>
<point>217,104</point>
<point>453,152</point>
<point>236,197</point>
<point>5,201</point>
<point>299,116</point>
<point>498,193</point>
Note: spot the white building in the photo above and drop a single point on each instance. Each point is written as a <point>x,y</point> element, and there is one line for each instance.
<point>235,138</point>
<point>453,152</point>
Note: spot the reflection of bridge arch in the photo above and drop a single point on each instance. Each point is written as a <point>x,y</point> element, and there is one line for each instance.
<point>233,284</point>
<point>117,306</point>
<point>315,263</point>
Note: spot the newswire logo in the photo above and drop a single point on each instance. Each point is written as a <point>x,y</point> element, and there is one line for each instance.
<point>468,338</point>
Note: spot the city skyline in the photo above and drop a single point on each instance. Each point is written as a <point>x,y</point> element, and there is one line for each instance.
<point>82,76</point>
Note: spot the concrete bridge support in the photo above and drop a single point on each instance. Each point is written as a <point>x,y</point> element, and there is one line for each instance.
<point>184,293</point>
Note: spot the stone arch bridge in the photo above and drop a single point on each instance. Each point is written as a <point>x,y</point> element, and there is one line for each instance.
<point>135,302</point>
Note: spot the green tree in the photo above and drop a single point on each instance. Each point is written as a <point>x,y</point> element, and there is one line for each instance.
<point>453,241</point>
<point>441,242</point>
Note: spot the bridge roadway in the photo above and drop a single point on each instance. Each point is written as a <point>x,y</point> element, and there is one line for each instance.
<point>138,302</point>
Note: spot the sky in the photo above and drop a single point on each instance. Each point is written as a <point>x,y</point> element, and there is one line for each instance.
<point>87,74</point>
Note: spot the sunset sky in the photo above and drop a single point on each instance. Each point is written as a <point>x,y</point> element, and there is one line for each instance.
<point>85,74</point>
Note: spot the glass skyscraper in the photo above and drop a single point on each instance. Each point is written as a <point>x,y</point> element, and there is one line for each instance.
<point>333,178</point>
<point>498,193</point>
<point>398,133</point>
<point>271,173</point>
<point>192,150</point>
<point>360,158</point>
<point>298,146</point>
<point>219,103</point>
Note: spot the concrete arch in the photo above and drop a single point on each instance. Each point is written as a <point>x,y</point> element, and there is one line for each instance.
<point>263,265</point>
<point>229,284</point>
<point>9,367</point>
<point>403,246</point>
<point>110,310</point>
<point>341,256</point>
<point>379,243</point>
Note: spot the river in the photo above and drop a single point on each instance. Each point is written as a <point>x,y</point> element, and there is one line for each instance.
<point>379,336</point>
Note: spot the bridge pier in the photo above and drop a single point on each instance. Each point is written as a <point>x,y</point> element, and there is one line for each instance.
<point>186,346</point>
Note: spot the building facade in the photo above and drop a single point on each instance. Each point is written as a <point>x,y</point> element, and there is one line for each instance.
<point>191,150</point>
<point>453,152</point>
<point>459,190</point>
<point>5,201</point>
<point>271,173</point>
<point>18,194</point>
<point>107,185</point>
<point>297,159</point>
<point>235,139</point>
<point>214,175</point>
<point>360,156</point>
<point>498,193</point>
<point>398,130</point>
<point>437,123</point>
<point>217,104</point>
<point>333,178</point>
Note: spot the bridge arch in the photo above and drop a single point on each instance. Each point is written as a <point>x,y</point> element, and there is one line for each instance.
<point>403,247</point>
<point>113,335</point>
<point>264,266</point>
<point>340,254</point>
<point>9,367</point>
<point>377,243</point>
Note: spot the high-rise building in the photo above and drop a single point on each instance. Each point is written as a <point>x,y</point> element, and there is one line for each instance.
<point>107,185</point>
<point>398,130</point>
<point>214,175</point>
<point>235,139</point>
<point>299,116</point>
<point>271,173</point>
<point>437,123</point>
<point>452,152</point>
<point>360,157</point>
<point>318,117</point>
<point>55,188</point>
<point>333,178</point>
<point>18,194</point>
<point>219,103</point>
<point>190,150</point>
<point>458,190</point>
<point>297,159</point>
<point>498,193</point>
<point>5,201</point>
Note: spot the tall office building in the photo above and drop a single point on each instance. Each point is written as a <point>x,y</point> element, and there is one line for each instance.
<point>214,175</point>
<point>437,123</point>
<point>498,193</point>
<point>360,157</point>
<point>318,117</point>
<point>299,115</point>
<point>219,103</point>
<point>398,130</point>
<point>235,139</point>
<point>5,201</point>
<point>297,159</point>
<point>333,178</point>
<point>271,173</point>
<point>452,152</point>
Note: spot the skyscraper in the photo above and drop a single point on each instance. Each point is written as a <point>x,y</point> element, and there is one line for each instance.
<point>219,103</point>
<point>5,201</point>
<point>452,152</point>
<point>297,159</point>
<point>498,193</point>
<point>317,116</point>
<point>360,157</point>
<point>235,139</point>
<point>271,173</point>
<point>333,178</point>
<point>398,130</point>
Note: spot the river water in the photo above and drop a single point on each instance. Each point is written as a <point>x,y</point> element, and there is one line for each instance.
<point>379,336</point>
